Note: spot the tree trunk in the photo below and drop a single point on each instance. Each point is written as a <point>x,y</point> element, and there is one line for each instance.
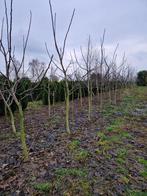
<point>22,129</point>
<point>12,120</point>
<point>67,106</point>
<point>80,94</point>
<point>49,102</point>
<point>89,101</point>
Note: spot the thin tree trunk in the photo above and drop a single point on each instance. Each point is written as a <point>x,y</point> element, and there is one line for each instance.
<point>80,94</point>
<point>49,102</point>
<point>12,120</point>
<point>22,129</point>
<point>67,106</point>
<point>89,101</point>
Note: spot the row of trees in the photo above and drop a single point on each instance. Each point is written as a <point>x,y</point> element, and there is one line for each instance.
<point>93,73</point>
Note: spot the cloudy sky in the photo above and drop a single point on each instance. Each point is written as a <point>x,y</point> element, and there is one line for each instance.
<point>124,21</point>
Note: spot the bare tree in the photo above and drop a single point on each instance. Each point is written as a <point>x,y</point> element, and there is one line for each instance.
<point>37,69</point>
<point>61,52</point>
<point>10,89</point>
<point>86,66</point>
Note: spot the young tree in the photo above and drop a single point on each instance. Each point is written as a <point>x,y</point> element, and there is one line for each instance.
<point>61,53</point>
<point>10,89</point>
<point>86,66</point>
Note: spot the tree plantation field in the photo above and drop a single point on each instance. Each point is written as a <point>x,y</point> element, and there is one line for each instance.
<point>73,118</point>
<point>106,155</point>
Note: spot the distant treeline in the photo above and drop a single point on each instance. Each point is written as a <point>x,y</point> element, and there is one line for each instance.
<point>54,91</point>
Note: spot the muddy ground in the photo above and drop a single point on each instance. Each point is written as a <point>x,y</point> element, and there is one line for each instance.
<point>106,155</point>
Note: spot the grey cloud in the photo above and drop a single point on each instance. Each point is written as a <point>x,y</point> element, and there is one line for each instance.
<point>124,21</point>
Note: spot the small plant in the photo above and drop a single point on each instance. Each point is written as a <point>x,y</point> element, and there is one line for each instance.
<point>81,155</point>
<point>74,145</point>
<point>44,187</point>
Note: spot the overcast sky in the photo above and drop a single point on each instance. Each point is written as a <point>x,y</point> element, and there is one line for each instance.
<point>125,22</point>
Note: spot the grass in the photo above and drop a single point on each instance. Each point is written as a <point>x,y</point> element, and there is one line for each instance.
<point>85,186</point>
<point>143,161</point>
<point>125,134</point>
<point>144,174</point>
<point>34,105</point>
<point>136,193</point>
<point>81,155</point>
<point>122,153</point>
<point>62,172</point>
<point>121,156</point>
<point>122,170</point>
<point>74,145</point>
<point>7,136</point>
<point>44,187</point>
<point>116,125</point>
<point>102,136</point>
